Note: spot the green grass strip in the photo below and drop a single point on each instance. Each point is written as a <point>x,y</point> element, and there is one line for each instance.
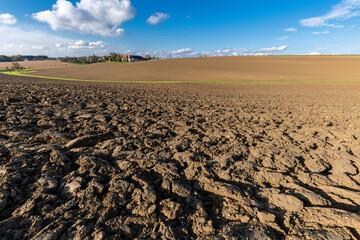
<point>17,72</point>
<point>23,73</point>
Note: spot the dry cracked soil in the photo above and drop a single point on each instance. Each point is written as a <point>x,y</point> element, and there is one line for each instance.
<point>178,161</point>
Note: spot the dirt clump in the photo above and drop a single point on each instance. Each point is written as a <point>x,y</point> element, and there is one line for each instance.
<point>178,161</point>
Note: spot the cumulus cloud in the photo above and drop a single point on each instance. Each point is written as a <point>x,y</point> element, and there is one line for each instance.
<point>85,45</point>
<point>273,49</point>
<point>182,51</point>
<point>224,52</point>
<point>188,52</point>
<point>98,17</point>
<point>319,51</point>
<point>7,19</point>
<point>16,40</point>
<point>266,51</point>
<point>319,33</point>
<point>157,18</point>
<point>344,10</point>
<point>291,30</point>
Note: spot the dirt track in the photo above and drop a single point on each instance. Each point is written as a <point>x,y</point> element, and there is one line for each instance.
<point>197,161</point>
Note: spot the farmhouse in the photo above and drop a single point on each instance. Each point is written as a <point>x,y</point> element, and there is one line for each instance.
<point>123,58</point>
<point>131,58</point>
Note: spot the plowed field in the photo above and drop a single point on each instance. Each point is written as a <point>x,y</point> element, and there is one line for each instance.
<point>83,160</point>
<point>36,64</point>
<point>293,69</point>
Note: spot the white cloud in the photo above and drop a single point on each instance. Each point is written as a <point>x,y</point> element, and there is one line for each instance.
<point>7,19</point>
<point>182,51</point>
<point>313,22</point>
<point>98,17</point>
<point>291,30</point>
<point>38,47</point>
<point>84,45</point>
<point>283,38</point>
<point>319,51</point>
<point>223,52</point>
<point>335,25</point>
<point>273,49</point>
<point>319,33</point>
<point>266,51</point>
<point>16,40</point>
<point>344,10</point>
<point>188,52</point>
<point>157,18</point>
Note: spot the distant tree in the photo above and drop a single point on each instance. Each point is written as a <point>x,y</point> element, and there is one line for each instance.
<point>94,59</point>
<point>16,66</point>
<point>41,57</point>
<point>113,57</point>
<point>17,58</point>
<point>9,69</point>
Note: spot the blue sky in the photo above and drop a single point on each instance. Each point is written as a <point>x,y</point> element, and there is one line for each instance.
<point>179,28</point>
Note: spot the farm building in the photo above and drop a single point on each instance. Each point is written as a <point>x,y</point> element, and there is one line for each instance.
<point>123,58</point>
<point>131,58</point>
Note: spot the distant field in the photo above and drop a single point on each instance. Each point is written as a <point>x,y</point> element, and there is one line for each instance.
<point>36,64</point>
<point>219,69</point>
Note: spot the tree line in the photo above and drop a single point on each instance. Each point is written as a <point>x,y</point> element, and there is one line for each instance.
<point>112,57</point>
<point>16,58</point>
<point>83,60</point>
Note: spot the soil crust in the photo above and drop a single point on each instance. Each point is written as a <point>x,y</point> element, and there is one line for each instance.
<point>178,161</point>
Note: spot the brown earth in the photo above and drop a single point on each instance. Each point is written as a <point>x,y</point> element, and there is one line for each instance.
<point>178,161</point>
<point>37,64</point>
<point>253,69</point>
